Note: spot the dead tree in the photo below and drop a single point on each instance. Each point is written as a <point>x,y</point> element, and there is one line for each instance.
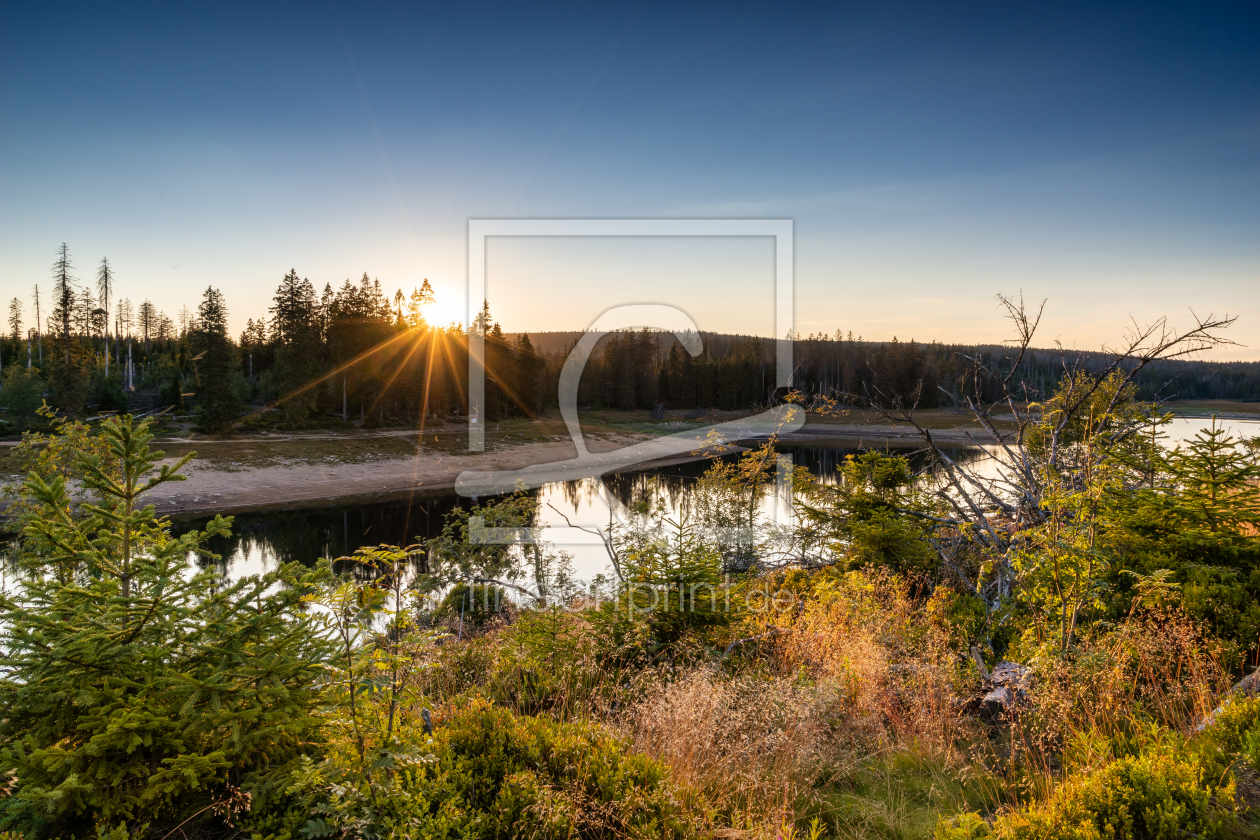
<point>989,513</point>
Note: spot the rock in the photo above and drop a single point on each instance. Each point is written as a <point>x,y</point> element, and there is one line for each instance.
<point>1246,687</point>
<point>1012,675</point>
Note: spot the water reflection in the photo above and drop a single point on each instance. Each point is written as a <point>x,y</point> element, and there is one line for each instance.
<point>264,540</point>
<point>260,541</point>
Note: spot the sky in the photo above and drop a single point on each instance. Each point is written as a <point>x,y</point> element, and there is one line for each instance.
<point>931,155</point>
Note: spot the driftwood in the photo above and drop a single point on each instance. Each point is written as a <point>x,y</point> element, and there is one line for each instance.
<point>979,660</point>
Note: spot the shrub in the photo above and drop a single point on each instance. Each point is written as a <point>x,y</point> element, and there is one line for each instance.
<point>1231,734</point>
<point>21,395</point>
<point>108,393</point>
<point>1164,793</point>
<point>471,607</point>
<point>552,660</point>
<point>492,774</point>
<point>1250,748</point>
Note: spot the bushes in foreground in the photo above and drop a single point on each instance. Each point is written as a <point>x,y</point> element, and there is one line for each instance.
<point>1160,794</point>
<point>1174,788</point>
<point>134,692</point>
<point>490,773</point>
<point>144,702</point>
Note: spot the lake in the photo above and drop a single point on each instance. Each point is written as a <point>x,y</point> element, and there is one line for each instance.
<point>260,541</point>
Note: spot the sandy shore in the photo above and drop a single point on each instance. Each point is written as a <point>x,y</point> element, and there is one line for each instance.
<point>211,489</point>
<point>896,436</point>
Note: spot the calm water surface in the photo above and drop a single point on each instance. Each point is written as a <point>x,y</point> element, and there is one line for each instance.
<point>262,540</point>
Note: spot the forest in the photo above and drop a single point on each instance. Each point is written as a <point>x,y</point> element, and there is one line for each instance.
<point>1067,652</point>
<point>357,354</point>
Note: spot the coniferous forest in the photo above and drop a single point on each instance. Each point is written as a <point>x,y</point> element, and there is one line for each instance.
<point>359,353</point>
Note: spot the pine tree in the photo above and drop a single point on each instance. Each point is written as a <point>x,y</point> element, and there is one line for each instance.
<point>148,322</point>
<point>134,692</point>
<point>1196,513</point>
<point>482,320</point>
<point>125,315</point>
<point>39,328</point>
<point>67,368</point>
<point>529,368</point>
<point>419,299</point>
<point>105,292</point>
<point>63,290</point>
<point>399,321</point>
<point>84,318</point>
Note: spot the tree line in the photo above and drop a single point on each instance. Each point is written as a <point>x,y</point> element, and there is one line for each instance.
<point>359,354</point>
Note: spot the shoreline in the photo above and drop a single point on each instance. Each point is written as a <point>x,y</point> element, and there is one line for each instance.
<point>209,490</point>
<point>339,476</point>
<point>213,487</point>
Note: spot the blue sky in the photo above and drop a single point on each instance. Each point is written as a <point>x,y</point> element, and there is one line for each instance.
<point>931,155</point>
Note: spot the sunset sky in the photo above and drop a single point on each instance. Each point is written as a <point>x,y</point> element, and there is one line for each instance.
<point>930,155</point>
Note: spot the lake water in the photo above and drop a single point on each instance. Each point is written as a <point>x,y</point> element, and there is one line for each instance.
<point>262,540</point>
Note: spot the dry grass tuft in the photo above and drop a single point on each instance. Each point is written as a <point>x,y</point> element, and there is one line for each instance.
<point>754,745</point>
<point>852,677</point>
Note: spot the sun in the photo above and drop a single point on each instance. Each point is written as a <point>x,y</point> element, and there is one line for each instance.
<point>449,302</point>
<point>445,310</point>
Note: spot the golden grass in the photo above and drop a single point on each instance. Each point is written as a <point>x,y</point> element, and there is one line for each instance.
<point>850,707</point>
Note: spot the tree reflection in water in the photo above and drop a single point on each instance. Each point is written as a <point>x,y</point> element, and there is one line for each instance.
<point>262,540</point>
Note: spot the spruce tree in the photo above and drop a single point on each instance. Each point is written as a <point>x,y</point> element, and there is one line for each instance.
<point>63,290</point>
<point>217,366</point>
<point>419,299</point>
<point>1195,512</point>
<point>295,322</point>
<point>529,369</point>
<point>67,368</point>
<point>15,320</point>
<point>133,692</point>
<point>105,291</point>
<point>148,323</point>
<point>39,327</point>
